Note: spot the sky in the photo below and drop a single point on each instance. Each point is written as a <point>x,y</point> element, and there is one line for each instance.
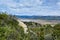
<point>31,7</point>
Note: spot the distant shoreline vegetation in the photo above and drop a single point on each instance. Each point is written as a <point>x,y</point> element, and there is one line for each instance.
<point>39,17</point>
<point>34,17</point>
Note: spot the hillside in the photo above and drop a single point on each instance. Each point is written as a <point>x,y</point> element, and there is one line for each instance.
<point>11,29</point>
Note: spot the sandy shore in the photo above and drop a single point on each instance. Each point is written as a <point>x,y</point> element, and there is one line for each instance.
<point>52,22</point>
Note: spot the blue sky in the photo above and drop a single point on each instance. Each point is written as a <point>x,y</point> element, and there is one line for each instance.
<point>31,7</point>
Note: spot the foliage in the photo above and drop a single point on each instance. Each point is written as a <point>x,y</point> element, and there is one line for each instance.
<point>56,31</point>
<point>10,30</point>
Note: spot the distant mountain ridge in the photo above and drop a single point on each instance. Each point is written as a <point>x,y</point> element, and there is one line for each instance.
<point>40,17</point>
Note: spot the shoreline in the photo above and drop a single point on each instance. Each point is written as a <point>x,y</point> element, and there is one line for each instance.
<point>52,22</point>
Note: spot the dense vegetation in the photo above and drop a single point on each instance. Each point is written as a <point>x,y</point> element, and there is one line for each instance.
<point>44,32</point>
<point>10,30</point>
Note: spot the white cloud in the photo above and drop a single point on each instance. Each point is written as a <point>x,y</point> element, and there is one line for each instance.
<point>29,7</point>
<point>39,2</point>
<point>58,3</point>
<point>21,4</point>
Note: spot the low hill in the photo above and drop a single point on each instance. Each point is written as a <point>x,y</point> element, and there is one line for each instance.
<point>9,28</point>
